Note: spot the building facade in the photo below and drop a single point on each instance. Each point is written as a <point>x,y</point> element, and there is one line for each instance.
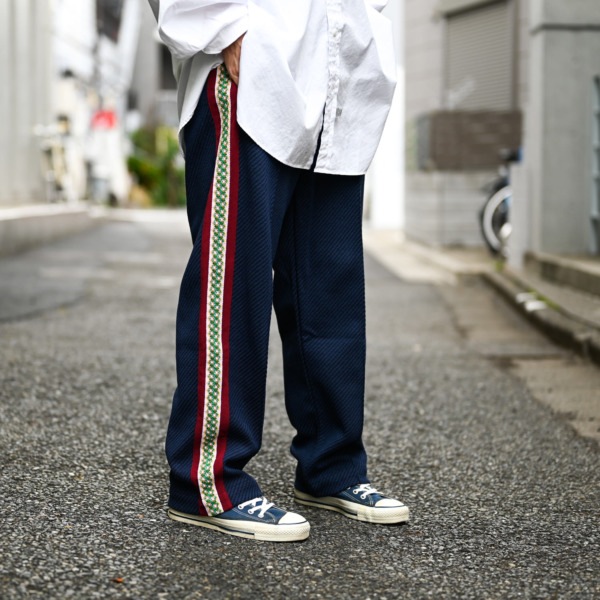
<point>482,75</point>
<point>61,61</point>
<point>465,92</point>
<point>153,86</point>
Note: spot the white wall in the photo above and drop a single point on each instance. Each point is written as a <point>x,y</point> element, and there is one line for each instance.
<point>423,58</point>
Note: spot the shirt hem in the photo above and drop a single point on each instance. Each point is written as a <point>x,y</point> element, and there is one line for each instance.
<point>303,167</point>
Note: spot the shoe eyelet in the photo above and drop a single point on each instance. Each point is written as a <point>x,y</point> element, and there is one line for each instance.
<point>363,497</point>
<point>355,491</point>
<point>240,506</point>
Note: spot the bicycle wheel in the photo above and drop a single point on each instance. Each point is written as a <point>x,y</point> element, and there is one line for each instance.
<point>494,216</point>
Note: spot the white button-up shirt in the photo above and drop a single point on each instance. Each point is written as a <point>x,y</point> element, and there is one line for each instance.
<point>307,66</point>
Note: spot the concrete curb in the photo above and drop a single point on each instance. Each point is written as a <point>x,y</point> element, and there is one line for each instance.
<point>581,275</point>
<point>456,265</point>
<point>413,261</point>
<point>565,327</point>
<point>28,226</point>
<point>559,325</point>
<point>24,227</point>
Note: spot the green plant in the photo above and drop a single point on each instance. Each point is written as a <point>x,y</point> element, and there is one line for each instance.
<point>154,165</point>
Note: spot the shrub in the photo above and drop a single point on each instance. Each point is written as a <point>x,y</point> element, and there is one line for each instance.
<point>154,165</point>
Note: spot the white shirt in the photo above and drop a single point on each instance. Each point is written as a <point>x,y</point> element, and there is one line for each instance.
<point>305,65</point>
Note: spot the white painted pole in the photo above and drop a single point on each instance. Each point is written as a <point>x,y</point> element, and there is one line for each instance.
<point>385,179</point>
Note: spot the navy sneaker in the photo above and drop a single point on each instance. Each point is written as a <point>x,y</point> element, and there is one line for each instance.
<point>257,519</point>
<point>361,502</point>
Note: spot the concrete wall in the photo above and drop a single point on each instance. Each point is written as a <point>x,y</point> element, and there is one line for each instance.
<point>558,12</point>
<point>28,226</point>
<point>423,57</point>
<point>443,207</point>
<point>565,58</point>
<point>523,53</point>
<point>25,72</point>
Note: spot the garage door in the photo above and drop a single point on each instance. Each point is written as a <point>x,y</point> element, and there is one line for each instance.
<point>479,59</point>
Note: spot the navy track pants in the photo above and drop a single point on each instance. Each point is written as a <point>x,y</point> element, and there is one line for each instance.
<point>265,234</point>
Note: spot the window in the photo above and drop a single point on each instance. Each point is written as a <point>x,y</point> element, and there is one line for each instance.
<point>108,18</point>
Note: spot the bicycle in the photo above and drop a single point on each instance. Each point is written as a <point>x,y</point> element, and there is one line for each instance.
<point>53,161</point>
<point>494,216</point>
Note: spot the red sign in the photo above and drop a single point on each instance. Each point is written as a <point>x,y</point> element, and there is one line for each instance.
<point>104,119</point>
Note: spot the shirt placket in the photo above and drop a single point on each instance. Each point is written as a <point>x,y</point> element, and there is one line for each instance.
<point>335,25</point>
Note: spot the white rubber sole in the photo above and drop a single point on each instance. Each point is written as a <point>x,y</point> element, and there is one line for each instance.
<point>266,532</point>
<point>384,515</point>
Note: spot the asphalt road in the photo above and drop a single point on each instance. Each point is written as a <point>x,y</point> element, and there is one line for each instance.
<point>504,495</point>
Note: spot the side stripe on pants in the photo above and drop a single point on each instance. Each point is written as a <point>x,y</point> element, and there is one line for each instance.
<point>217,262</point>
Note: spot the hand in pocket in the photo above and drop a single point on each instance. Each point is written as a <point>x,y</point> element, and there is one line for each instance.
<point>231,56</point>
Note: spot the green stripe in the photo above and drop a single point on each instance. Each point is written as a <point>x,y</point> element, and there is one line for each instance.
<point>212,402</point>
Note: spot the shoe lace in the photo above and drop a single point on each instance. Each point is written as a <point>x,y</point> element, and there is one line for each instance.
<point>263,507</point>
<point>365,489</point>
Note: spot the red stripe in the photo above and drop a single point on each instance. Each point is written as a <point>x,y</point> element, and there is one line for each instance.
<point>228,290</point>
<point>204,257</point>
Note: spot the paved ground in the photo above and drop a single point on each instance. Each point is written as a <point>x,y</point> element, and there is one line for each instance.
<point>504,495</point>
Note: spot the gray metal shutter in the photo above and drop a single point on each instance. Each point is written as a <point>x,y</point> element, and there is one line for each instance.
<point>479,59</point>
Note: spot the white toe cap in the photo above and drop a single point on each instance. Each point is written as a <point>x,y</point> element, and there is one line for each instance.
<point>291,518</point>
<point>388,503</point>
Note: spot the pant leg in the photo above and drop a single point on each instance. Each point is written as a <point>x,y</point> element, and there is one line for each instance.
<point>319,300</point>
<point>237,196</point>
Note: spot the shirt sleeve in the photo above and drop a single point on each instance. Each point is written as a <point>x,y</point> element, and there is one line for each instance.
<point>191,26</point>
<point>378,4</point>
